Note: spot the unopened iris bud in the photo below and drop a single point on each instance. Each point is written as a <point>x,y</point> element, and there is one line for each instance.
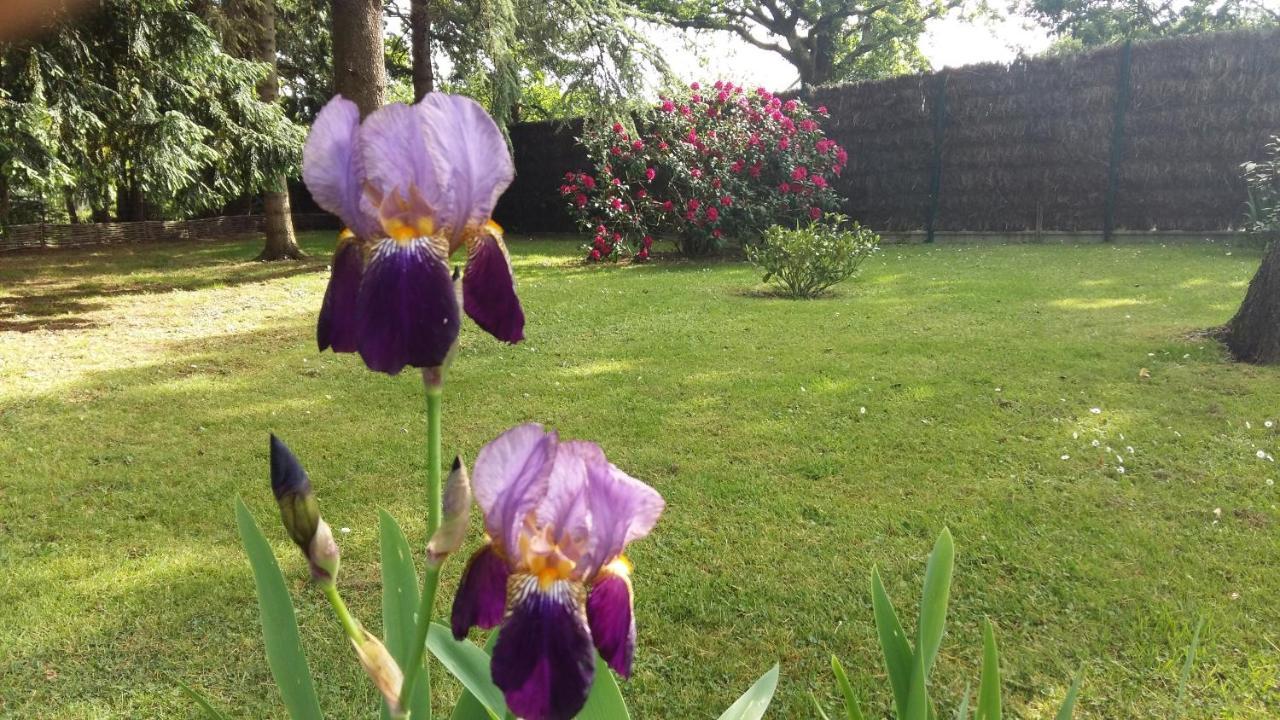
<point>457,510</point>
<point>382,669</point>
<point>301,513</point>
<point>298,507</point>
<point>323,555</point>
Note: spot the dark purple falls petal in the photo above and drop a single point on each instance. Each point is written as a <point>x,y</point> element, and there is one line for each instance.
<point>543,661</point>
<point>489,291</point>
<point>338,326</point>
<point>408,312</point>
<point>612,622</point>
<point>482,593</point>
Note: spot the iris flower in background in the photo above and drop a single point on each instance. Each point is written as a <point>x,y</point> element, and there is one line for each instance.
<point>412,184</point>
<point>558,516</point>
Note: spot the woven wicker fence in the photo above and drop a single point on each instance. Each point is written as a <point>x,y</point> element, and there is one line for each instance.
<point>17,237</point>
<point>1143,137</point>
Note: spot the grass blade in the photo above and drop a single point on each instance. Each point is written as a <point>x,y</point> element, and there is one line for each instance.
<point>210,712</point>
<point>962,712</point>
<point>1185,675</point>
<point>754,702</point>
<point>852,710</point>
<point>893,643</point>
<point>469,664</point>
<point>817,706</point>
<point>933,603</point>
<point>1069,702</point>
<point>400,608</point>
<point>279,624</point>
<point>605,701</point>
<point>989,686</point>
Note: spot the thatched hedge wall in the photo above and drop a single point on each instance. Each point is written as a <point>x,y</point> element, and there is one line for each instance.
<point>544,152</point>
<point>19,237</point>
<point>1151,137</point>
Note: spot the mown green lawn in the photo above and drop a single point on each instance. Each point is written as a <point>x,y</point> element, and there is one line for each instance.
<point>985,388</point>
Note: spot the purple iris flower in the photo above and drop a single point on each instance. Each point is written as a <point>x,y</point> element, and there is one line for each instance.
<point>558,516</point>
<point>412,184</point>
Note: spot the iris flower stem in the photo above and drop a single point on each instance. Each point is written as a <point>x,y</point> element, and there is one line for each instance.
<point>430,580</point>
<point>349,624</point>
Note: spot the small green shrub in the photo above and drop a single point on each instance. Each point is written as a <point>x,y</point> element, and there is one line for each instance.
<point>806,261</point>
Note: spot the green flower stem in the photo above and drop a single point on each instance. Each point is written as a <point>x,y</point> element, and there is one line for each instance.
<point>431,579</point>
<point>349,624</point>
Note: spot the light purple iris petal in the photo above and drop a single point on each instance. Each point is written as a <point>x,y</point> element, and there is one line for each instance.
<point>482,593</point>
<point>479,163</point>
<point>564,507</point>
<point>612,622</point>
<point>338,326</point>
<point>489,291</point>
<point>510,478</point>
<point>622,508</point>
<point>400,151</point>
<point>543,661</point>
<point>331,168</point>
<point>408,311</point>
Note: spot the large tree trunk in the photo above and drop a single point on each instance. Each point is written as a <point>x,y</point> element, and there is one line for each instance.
<point>130,203</point>
<point>424,80</point>
<point>359,68</point>
<point>256,21</point>
<point>1253,335</point>
<point>824,59</point>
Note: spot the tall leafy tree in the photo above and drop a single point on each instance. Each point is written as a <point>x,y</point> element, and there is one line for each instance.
<point>249,31</point>
<point>499,50</point>
<point>1083,24</point>
<point>135,104</point>
<point>826,40</point>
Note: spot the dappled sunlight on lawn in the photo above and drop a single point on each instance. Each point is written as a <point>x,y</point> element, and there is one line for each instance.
<point>1098,304</point>
<point>797,444</point>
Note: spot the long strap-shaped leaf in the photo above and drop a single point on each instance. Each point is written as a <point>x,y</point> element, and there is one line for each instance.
<point>605,701</point>
<point>852,710</point>
<point>989,686</point>
<point>1185,675</point>
<point>468,707</point>
<point>399,609</point>
<point>279,624</point>
<point>933,603</point>
<point>1069,702</point>
<point>893,643</point>
<point>469,664</point>
<point>210,712</point>
<point>755,700</point>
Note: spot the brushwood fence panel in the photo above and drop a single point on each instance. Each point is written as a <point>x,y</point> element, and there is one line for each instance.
<point>17,237</point>
<point>1044,143</point>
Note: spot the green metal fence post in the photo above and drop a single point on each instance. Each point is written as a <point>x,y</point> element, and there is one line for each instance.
<point>935,164</point>
<point>1117,140</point>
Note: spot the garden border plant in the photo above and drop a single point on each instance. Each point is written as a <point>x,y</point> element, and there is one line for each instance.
<point>806,261</point>
<point>703,166</point>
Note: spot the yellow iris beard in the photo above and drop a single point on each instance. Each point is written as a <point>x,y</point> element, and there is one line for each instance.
<point>403,232</point>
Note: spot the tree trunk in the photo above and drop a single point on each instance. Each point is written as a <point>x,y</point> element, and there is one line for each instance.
<point>359,68</point>
<point>1253,335</point>
<point>73,212</point>
<point>424,80</point>
<point>256,21</point>
<point>130,204</point>
<point>824,59</point>
<point>4,199</point>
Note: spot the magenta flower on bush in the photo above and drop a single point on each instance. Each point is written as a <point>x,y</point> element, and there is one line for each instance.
<point>558,516</point>
<point>770,156</point>
<point>412,184</point>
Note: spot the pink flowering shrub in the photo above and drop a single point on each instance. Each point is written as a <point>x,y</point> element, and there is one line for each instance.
<point>704,167</point>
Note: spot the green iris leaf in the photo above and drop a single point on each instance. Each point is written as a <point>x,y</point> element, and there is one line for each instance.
<point>279,624</point>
